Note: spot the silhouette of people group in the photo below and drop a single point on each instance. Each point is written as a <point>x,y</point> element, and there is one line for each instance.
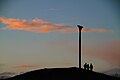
<point>88,66</point>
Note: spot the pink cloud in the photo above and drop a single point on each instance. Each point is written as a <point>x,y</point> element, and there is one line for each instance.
<point>35,25</point>
<point>109,52</point>
<point>40,26</point>
<point>25,66</point>
<point>96,30</point>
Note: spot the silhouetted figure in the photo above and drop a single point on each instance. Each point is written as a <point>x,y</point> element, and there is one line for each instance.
<point>91,67</point>
<point>85,66</point>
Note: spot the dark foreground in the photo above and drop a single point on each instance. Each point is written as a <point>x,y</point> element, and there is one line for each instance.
<point>62,74</point>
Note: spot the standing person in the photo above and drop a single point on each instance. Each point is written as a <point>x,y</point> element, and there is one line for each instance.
<point>85,66</point>
<point>91,67</point>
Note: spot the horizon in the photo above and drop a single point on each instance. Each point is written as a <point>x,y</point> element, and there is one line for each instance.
<point>42,33</point>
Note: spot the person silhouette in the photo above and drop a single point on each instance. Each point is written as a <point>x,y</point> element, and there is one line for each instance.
<point>85,66</point>
<point>91,67</point>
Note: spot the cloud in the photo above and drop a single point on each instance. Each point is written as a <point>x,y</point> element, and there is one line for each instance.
<point>40,26</point>
<point>25,66</point>
<point>35,25</point>
<point>96,30</point>
<point>109,52</point>
<point>112,52</point>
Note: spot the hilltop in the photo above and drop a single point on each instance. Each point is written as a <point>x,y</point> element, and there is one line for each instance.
<point>71,73</point>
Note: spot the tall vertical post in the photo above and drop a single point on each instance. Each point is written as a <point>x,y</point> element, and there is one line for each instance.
<point>80,28</point>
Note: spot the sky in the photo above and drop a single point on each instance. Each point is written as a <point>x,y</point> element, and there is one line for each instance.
<point>37,34</point>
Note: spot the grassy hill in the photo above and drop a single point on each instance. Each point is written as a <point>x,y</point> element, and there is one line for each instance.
<point>72,73</point>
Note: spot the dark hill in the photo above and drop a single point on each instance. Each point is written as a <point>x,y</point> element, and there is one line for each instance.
<point>72,73</point>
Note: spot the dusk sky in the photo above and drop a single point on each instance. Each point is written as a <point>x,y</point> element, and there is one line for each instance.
<point>42,34</point>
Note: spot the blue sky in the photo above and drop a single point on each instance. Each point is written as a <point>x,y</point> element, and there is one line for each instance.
<point>24,50</point>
